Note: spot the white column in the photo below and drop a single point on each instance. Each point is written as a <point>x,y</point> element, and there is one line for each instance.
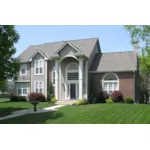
<point>86,79</point>
<point>80,78</point>
<point>45,75</point>
<point>59,77</point>
<point>56,78</point>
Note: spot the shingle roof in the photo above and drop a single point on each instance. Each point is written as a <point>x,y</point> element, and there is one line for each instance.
<point>84,45</point>
<point>114,61</point>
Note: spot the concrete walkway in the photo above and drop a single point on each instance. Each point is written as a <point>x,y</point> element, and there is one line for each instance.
<point>30,111</point>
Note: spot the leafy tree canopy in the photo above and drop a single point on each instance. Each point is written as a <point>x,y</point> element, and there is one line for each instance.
<point>9,65</point>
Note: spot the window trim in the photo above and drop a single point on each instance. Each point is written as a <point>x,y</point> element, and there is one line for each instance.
<point>38,81</point>
<point>110,81</point>
<point>23,68</point>
<point>38,62</point>
<point>22,88</point>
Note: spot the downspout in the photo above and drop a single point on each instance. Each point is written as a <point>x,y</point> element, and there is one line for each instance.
<point>134,86</point>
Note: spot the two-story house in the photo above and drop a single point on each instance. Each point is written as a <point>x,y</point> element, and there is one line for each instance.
<point>72,65</point>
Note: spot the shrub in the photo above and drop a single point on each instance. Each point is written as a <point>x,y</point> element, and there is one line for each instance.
<point>50,92</point>
<point>102,96</point>
<point>117,96</point>
<point>80,102</point>
<point>22,98</point>
<point>36,97</point>
<point>53,100</point>
<point>14,98</point>
<point>129,100</point>
<point>109,100</point>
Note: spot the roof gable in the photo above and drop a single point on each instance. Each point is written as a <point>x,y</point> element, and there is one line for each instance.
<point>65,44</point>
<point>114,62</point>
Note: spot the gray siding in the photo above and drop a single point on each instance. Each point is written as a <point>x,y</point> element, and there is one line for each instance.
<point>92,55</point>
<point>67,50</point>
<point>25,77</point>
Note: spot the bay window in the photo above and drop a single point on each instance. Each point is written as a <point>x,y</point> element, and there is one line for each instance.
<point>22,88</point>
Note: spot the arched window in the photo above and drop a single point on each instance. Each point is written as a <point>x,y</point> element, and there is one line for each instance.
<point>53,76</point>
<point>110,82</point>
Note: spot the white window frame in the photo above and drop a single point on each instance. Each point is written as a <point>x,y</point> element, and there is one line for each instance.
<point>37,61</point>
<point>110,81</point>
<point>53,78</point>
<point>39,86</point>
<point>23,66</point>
<point>22,88</point>
<point>68,82</point>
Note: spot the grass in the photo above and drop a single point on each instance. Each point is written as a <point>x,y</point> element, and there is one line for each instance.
<point>1,99</point>
<point>7,108</point>
<point>90,114</point>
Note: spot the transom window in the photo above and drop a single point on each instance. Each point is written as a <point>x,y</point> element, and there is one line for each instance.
<point>23,69</point>
<point>22,88</point>
<point>73,76</point>
<point>39,66</point>
<point>39,86</point>
<point>110,83</point>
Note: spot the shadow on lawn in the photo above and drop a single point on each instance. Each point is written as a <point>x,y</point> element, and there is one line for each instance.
<point>8,111</point>
<point>39,118</point>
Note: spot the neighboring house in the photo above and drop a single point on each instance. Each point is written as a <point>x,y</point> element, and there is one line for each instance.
<point>74,66</point>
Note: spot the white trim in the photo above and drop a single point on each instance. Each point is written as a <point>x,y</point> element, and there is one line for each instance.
<point>70,81</point>
<point>56,78</point>
<point>86,79</point>
<point>53,71</point>
<point>81,78</point>
<point>22,88</point>
<point>45,58</point>
<point>38,81</point>
<point>110,81</point>
<point>45,76</point>
<point>22,81</point>
<point>69,56</point>
<point>25,67</point>
<point>43,69</point>
<point>67,43</point>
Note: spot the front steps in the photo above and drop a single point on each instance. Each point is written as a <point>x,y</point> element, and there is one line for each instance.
<point>66,102</point>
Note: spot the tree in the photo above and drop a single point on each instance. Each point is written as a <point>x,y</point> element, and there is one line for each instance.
<point>141,34</point>
<point>9,65</point>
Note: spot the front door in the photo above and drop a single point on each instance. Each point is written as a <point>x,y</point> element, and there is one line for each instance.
<point>72,91</point>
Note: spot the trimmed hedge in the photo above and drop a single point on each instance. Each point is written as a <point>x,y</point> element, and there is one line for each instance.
<point>129,100</point>
<point>37,97</point>
<point>102,96</point>
<point>117,96</point>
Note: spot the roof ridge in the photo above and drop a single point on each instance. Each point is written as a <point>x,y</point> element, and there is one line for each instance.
<point>118,52</point>
<point>66,41</point>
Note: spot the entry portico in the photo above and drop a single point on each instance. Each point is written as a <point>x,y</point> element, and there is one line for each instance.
<point>71,73</point>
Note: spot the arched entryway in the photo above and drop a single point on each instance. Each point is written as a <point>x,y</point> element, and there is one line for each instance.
<point>72,80</point>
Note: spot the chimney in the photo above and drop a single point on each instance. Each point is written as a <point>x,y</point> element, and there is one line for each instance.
<point>136,47</point>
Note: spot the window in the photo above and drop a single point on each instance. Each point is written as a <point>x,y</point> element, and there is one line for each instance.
<point>23,69</point>
<point>110,83</point>
<point>73,76</point>
<point>39,67</point>
<point>22,88</point>
<point>53,76</point>
<point>39,86</point>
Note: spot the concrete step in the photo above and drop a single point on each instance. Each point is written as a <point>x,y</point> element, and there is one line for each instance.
<point>65,102</point>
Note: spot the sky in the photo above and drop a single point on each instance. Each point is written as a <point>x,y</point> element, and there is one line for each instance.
<point>113,38</point>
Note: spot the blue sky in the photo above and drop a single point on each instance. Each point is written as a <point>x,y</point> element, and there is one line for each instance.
<point>112,38</point>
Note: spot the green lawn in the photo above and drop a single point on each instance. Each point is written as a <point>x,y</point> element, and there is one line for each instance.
<point>90,114</point>
<point>1,99</point>
<point>7,108</point>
